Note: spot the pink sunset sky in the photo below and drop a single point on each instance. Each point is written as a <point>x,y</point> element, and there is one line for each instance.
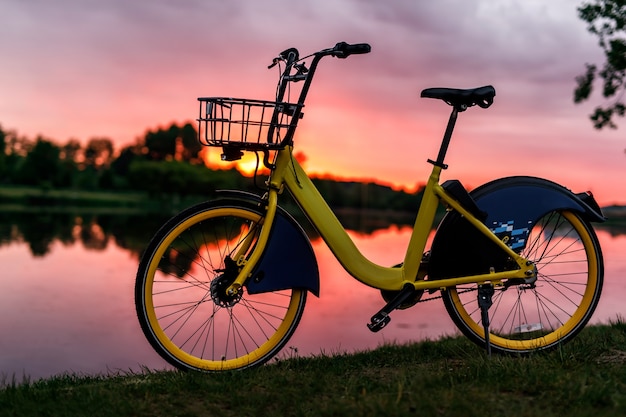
<point>81,69</point>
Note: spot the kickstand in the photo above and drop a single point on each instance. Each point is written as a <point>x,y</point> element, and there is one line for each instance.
<point>485,293</point>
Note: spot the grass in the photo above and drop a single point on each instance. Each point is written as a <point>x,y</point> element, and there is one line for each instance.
<point>449,377</point>
<point>25,193</point>
<point>33,198</point>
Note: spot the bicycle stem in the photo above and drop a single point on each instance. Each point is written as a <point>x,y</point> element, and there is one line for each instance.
<point>285,80</point>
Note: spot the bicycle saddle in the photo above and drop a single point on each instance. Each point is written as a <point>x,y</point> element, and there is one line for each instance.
<point>461,99</point>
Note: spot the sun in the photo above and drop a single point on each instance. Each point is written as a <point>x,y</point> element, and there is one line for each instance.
<point>246,165</point>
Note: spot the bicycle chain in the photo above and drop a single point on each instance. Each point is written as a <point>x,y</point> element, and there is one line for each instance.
<point>437,297</point>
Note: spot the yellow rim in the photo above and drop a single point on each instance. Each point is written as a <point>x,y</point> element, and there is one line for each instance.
<point>567,327</point>
<point>205,364</point>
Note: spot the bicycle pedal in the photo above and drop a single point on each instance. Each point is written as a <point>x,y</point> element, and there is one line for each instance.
<point>379,321</point>
<point>381,318</point>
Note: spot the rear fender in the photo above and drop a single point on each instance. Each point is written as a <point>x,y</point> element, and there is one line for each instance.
<point>513,206</point>
<point>288,260</point>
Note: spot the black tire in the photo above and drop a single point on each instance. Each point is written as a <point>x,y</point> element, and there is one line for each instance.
<point>525,318</point>
<point>182,312</point>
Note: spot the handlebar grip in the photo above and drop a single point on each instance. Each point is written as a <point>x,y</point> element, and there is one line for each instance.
<point>344,50</point>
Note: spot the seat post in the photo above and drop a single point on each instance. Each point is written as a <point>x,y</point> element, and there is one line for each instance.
<point>446,139</point>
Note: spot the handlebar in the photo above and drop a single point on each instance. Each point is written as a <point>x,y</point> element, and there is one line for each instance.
<point>340,50</point>
<point>344,50</point>
<point>292,60</point>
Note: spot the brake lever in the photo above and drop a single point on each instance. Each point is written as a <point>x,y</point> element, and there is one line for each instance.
<point>289,56</point>
<point>274,62</point>
<point>338,51</point>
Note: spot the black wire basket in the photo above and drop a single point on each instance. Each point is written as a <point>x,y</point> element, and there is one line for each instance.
<point>247,124</point>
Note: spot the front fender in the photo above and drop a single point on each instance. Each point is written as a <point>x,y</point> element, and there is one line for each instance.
<point>288,260</point>
<point>513,206</point>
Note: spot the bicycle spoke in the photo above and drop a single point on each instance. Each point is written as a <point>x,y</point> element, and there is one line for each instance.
<point>196,316</point>
<point>525,316</point>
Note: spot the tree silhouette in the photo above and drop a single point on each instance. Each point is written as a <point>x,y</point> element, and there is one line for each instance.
<point>175,142</point>
<point>188,139</point>
<point>41,165</point>
<point>98,152</point>
<point>70,151</point>
<point>3,156</point>
<point>15,150</point>
<point>607,20</point>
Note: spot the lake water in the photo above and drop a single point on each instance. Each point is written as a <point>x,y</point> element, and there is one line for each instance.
<point>66,299</point>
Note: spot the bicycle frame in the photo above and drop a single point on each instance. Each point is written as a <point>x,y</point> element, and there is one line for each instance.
<point>288,173</point>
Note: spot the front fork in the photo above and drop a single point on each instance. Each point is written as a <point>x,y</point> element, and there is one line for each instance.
<point>247,262</point>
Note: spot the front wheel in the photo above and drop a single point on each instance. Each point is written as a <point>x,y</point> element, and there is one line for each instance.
<point>527,317</point>
<point>180,300</point>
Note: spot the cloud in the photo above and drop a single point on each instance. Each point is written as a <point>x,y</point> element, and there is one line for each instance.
<point>85,68</point>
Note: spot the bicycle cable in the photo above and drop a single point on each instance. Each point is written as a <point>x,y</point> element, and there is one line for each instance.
<point>293,166</point>
<point>256,170</point>
<point>280,80</point>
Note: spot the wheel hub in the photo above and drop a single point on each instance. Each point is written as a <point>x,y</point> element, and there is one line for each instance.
<point>221,283</point>
<point>219,295</point>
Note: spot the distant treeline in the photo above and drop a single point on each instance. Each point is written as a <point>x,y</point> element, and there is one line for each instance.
<point>164,161</point>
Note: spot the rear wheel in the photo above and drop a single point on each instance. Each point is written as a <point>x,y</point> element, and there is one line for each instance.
<point>180,295</point>
<point>527,317</point>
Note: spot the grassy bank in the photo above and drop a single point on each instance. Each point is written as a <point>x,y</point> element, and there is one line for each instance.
<point>26,198</point>
<point>30,194</point>
<point>586,377</point>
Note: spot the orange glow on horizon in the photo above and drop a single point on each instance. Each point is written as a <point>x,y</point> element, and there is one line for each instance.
<point>347,178</point>
<point>246,165</point>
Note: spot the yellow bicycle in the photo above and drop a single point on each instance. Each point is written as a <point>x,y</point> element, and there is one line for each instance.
<point>223,284</point>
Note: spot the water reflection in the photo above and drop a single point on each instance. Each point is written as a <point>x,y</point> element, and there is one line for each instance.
<point>67,299</point>
<point>93,231</point>
<point>39,228</point>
